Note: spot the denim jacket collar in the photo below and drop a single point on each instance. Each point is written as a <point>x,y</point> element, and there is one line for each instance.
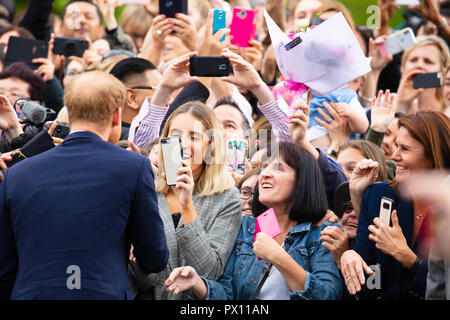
<point>301,227</point>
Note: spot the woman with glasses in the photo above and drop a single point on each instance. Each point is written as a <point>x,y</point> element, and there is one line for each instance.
<point>336,239</point>
<point>246,187</point>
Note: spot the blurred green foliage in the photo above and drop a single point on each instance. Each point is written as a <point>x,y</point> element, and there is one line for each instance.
<point>358,8</point>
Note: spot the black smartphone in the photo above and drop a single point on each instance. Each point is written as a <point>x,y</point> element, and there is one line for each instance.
<point>171,7</point>
<point>70,46</point>
<point>172,154</point>
<point>427,80</point>
<point>16,157</point>
<point>209,66</point>
<point>25,50</point>
<point>62,130</point>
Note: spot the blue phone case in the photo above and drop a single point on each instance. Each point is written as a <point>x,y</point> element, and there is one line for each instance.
<point>219,21</point>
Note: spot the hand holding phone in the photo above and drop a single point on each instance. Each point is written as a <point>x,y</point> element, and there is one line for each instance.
<point>172,154</point>
<point>386,210</point>
<point>398,42</point>
<point>219,21</point>
<point>170,8</point>
<point>242,26</point>
<point>427,80</point>
<point>25,50</point>
<point>209,66</point>
<point>267,222</point>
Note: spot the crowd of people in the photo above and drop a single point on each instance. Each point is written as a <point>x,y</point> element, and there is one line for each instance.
<point>91,214</point>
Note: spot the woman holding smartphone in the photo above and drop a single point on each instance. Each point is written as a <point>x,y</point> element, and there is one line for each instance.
<point>423,142</point>
<point>202,211</point>
<point>430,54</point>
<point>294,264</point>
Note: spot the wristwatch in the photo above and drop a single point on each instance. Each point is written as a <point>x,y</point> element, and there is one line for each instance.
<point>415,267</point>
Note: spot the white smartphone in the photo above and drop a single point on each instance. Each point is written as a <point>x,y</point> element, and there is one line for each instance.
<point>172,153</point>
<point>386,209</point>
<point>399,41</point>
<point>407,2</point>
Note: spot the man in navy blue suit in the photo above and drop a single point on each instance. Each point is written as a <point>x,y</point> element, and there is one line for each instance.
<point>69,215</point>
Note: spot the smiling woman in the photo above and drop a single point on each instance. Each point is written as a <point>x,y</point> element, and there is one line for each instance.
<point>423,142</point>
<point>293,265</point>
<point>202,212</point>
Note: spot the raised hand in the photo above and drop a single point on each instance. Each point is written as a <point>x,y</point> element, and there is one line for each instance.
<point>406,92</point>
<point>185,185</point>
<point>244,74</point>
<point>363,176</point>
<point>253,54</point>
<point>379,61</point>
<point>9,122</point>
<point>336,125</point>
<point>186,30</point>
<point>353,268</point>
<point>174,77</point>
<point>107,8</point>
<point>382,113</point>
<point>210,44</point>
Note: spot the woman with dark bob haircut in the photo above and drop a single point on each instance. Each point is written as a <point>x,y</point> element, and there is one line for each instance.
<point>294,264</point>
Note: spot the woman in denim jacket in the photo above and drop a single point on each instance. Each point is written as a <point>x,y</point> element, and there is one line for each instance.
<point>294,265</point>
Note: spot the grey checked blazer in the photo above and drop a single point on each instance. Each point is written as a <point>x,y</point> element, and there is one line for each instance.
<point>205,244</point>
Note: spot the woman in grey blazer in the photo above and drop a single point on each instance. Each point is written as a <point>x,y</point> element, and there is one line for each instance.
<point>202,213</point>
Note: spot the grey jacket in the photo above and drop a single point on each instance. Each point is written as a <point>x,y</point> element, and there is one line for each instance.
<point>205,244</point>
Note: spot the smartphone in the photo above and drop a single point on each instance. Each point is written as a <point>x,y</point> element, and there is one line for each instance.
<point>386,209</point>
<point>172,154</point>
<point>267,222</point>
<point>16,157</point>
<point>399,41</point>
<point>25,50</point>
<point>242,26</point>
<point>171,7</point>
<point>62,130</point>
<point>70,46</point>
<point>427,80</point>
<point>407,2</point>
<point>219,21</point>
<point>237,154</point>
<point>209,66</point>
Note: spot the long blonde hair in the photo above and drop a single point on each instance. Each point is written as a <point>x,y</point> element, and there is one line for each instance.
<point>215,177</point>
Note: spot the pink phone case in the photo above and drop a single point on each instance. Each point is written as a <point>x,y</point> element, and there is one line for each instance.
<point>267,222</point>
<point>242,27</point>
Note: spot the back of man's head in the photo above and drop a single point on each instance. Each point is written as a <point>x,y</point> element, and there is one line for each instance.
<point>129,68</point>
<point>93,97</point>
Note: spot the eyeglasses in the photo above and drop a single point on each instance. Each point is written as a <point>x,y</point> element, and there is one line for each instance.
<point>143,88</point>
<point>246,194</point>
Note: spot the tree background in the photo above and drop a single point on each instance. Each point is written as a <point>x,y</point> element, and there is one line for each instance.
<point>358,9</point>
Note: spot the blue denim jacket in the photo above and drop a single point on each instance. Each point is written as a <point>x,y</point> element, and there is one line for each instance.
<point>243,271</point>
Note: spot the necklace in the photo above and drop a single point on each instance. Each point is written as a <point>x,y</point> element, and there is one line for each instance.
<point>419,216</point>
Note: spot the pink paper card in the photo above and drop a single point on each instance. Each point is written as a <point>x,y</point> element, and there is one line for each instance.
<point>267,222</point>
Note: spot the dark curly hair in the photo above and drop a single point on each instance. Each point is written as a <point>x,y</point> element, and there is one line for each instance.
<point>23,72</point>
